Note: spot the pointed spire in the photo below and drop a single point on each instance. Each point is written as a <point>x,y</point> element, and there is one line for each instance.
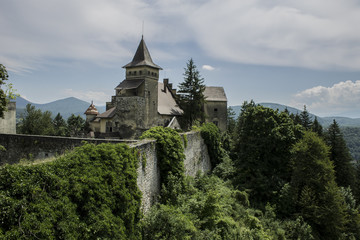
<point>142,57</point>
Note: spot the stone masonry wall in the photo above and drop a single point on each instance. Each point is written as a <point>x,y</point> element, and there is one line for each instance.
<point>33,147</point>
<point>196,156</point>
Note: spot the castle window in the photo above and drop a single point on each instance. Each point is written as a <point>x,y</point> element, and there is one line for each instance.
<point>129,72</point>
<point>215,109</point>
<point>216,123</point>
<point>148,72</point>
<point>134,72</point>
<point>140,72</point>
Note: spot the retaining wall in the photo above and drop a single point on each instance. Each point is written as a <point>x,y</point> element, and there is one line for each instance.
<point>196,156</point>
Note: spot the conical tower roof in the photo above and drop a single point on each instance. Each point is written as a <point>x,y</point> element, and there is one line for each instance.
<point>142,57</point>
<point>91,110</point>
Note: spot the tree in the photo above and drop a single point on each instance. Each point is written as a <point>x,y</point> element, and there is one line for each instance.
<point>7,94</point>
<point>263,140</point>
<point>191,98</point>
<point>316,127</point>
<point>305,119</point>
<point>340,155</point>
<point>60,126</point>
<point>231,122</point>
<point>35,122</point>
<point>76,125</point>
<point>315,194</point>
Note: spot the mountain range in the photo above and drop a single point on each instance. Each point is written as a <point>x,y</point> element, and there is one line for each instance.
<point>324,121</point>
<point>65,107</point>
<point>72,105</point>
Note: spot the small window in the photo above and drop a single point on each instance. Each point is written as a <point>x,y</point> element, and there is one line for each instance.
<point>215,109</point>
<point>134,72</point>
<point>110,129</point>
<point>140,72</point>
<point>216,123</point>
<point>148,72</point>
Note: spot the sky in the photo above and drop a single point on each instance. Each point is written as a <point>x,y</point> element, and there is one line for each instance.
<point>289,52</point>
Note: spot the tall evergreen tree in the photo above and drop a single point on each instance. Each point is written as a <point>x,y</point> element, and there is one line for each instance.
<point>316,127</point>
<point>340,155</point>
<point>315,194</point>
<point>76,125</point>
<point>263,141</point>
<point>305,119</point>
<point>191,95</point>
<point>59,125</point>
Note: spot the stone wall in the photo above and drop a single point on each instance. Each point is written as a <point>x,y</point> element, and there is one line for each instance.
<point>196,159</point>
<point>33,147</point>
<point>196,156</point>
<point>8,123</point>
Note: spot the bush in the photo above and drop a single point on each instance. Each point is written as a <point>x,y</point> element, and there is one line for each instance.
<point>89,193</point>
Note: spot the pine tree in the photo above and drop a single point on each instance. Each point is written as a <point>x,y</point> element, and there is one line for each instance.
<point>316,127</point>
<point>305,119</point>
<point>263,140</point>
<point>316,196</point>
<point>59,125</point>
<point>340,155</point>
<point>191,95</point>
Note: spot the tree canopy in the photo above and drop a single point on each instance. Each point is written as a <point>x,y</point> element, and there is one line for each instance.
<point>191,95</point>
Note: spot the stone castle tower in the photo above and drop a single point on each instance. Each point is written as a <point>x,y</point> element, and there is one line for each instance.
<point>140,101</point>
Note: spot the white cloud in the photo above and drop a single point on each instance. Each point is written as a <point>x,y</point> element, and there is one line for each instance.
<point>208,67</point>
<point>312,34</point>
<point>343,97</point>
<point>100,98</point>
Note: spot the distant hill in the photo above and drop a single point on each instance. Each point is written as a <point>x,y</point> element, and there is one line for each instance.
<point>65,107</point>
<point>324,121</point>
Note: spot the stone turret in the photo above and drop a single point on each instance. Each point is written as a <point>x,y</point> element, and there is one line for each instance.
<point>91,112</point>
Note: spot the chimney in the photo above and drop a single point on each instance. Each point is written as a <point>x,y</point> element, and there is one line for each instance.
<point>166,82</point>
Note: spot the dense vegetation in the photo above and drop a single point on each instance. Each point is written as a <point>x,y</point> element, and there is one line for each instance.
<point>34,121</point>
<point>90,193</point>
<point>275,176</point>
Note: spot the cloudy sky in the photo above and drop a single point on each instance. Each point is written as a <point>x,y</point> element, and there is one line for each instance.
<point>283,51</point>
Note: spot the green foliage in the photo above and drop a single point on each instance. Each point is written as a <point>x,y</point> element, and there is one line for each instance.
<point>191,95</point>
<point>316,196</point>
<point>209,208</point>
<point>263,141</point>
<point>170,153</point>
<point>76,126</point>
<point>60,126</point>
<point>352,139</point>
<point>305,119</point>
<point>212,138</point>
<point>35,122</point>
<point>340,156</point>
<point>90,193</point>
<point>8,93</point>
<point>231,121</point>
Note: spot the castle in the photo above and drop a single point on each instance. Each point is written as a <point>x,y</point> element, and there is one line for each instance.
<point>142,102</point>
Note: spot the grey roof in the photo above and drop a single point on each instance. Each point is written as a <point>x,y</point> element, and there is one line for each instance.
<point>108,114</point>
<point>166,102</point>
<point>142,57</point>
<point>130,84</point>
<point>216,94</point>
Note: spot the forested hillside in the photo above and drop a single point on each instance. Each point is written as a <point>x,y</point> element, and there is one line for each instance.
<point>275,175</point>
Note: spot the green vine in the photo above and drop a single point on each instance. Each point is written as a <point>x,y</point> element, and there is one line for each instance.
<point>170,153</point>
<point>212,138</point>
<point>185,140</point>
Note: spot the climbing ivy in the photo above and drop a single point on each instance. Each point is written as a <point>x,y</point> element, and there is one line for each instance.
<point>90,193</point>
<point>170,153</point>
<point>212,138</point>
